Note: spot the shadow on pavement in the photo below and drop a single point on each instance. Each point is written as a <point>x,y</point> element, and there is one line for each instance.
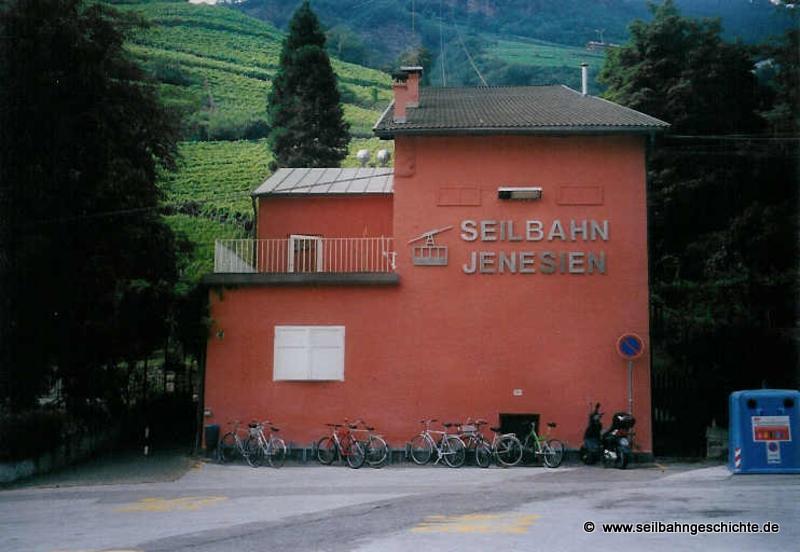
<point>113,468</point>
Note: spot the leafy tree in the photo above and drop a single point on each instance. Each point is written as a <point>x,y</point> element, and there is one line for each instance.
<point>346,45</point>
<point>88,264</point>
<point>418,56</point>
<point>784,113</point>
<point>722,202</point>
<point>308,128</point>
<point>680,70</point>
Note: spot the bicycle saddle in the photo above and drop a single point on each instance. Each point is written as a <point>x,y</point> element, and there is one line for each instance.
<point>449,424</point>
<point>253,424</point>
<point>551,424</point>
<point>369,428</point>
<point>352,426</point>
<point>273,428</point>
<point>334,425</point>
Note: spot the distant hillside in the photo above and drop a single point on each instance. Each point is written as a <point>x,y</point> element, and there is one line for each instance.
<point>215,65</point>
<point>376,32</point>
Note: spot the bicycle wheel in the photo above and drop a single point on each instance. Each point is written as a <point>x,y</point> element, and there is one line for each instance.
<point>326,451</point>
<point>377,451</point>
<point>553,453</point>
<point>254,454</point>
<point>276,452</point>
<point>226,450</point>
<point>483,455</point>
<point>508,450</point>
<point>356,456</point>
<point>528,449</point>
<point>454,451</point>
<point>421,449</point>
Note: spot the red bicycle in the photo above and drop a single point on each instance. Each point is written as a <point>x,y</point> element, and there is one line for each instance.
<point>340,444</point>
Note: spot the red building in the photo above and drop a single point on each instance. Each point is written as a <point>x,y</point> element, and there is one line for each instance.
<point>488,274</point>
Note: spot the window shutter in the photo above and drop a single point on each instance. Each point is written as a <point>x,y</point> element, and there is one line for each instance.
<point>326,353</point>
<point>303,353</point>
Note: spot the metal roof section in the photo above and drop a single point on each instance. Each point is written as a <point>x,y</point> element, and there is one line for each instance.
<point>554,109</point>
<point>328,181</point>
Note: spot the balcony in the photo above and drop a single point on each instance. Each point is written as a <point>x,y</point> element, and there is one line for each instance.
<point>301,259</point>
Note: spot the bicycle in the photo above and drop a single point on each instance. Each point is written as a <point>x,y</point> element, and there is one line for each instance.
<point>448,446</point>
<point>375,447</point>
<point>231,444</point>
<point>506,448</point>
<point>342,444</point>
<point>551,450</point>
<point>472,437</point>
<point>272,448</point>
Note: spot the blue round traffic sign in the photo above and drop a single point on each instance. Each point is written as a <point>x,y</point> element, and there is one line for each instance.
<point>630,346</point>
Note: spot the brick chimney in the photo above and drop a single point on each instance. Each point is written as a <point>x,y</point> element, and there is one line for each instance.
<point>406,91</point>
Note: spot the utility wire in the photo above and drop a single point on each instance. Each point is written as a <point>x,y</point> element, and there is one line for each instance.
<point>734,137</point>
<point>441,45</point>
<point>469,57</point>
<point>413,20</point>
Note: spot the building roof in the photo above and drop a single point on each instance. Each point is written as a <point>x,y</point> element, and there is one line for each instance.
<point>334,181</point>
<point>514,110</point>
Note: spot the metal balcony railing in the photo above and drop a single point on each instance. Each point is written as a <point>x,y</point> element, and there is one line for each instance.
<point>300,253</point>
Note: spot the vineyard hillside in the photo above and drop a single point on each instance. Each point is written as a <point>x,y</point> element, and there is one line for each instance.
<point>214,65</point>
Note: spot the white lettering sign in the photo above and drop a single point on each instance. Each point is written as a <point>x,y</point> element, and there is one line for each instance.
<point>532,262</point>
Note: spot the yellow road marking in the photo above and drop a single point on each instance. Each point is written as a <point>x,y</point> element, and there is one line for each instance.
<point>186,503</point>
<point>514,524</point>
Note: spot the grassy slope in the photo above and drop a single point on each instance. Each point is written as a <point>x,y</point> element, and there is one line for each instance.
<point>224,61</point>
<point>528,51</point>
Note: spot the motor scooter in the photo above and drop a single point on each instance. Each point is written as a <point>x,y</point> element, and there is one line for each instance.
<point>612,446</point>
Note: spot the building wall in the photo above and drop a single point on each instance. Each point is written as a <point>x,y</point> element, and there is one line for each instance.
<point>366,215</point>
<point>449,344</point>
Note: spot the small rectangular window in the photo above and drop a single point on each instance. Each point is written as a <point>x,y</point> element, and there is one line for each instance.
<point>308,353</point>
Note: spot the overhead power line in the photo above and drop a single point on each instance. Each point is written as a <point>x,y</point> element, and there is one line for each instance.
<point>469,57</point>
<point>441,45</point>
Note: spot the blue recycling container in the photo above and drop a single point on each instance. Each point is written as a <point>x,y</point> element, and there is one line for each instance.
<point>763,431</point>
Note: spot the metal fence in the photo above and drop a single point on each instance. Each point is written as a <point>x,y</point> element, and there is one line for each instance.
<point>305,254</point>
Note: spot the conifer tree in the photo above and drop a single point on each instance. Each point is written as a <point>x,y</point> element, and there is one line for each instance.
<point>308,128</point>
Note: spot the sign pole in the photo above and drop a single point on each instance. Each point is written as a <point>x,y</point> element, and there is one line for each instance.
<point>630,387</point>
<point>630,347</point>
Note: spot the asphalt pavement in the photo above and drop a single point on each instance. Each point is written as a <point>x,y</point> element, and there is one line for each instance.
<point>194,505</point>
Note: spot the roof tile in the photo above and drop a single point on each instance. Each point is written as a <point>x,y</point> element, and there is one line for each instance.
<point>524,109</point>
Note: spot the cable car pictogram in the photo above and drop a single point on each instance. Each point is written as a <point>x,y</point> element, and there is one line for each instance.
<point>429,253</point>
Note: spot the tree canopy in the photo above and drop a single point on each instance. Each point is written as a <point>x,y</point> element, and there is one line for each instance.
<point>88,264</point>
<point>308,127</point>
<point>680,70</point>
<point>723,212</point>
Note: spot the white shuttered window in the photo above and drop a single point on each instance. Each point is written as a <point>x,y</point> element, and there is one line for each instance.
<point>304,353</point>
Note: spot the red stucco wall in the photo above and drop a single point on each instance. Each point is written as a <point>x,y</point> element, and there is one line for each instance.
<point>366,215</point>
<point>445,343</point>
